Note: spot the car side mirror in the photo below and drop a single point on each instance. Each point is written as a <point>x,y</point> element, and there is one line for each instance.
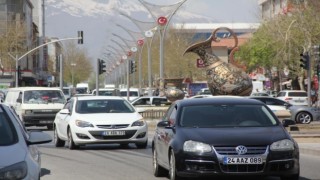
<point>288,122</point>
<point>19,100</point>
<point>163,124</point>
<point>64,111</point>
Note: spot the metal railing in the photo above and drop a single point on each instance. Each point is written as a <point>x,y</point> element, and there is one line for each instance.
<point>153,113</point>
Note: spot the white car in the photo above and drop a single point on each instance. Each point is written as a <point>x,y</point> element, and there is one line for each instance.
<point>19,156</point>
<point>99,119</point>
<point>294,97</point>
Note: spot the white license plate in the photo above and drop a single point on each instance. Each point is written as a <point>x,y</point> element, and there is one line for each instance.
<point>113,133</point>
<point>242,160</point>
<point>46,122</point>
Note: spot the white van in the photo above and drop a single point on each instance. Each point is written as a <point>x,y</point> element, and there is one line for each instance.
<point>133,93</point>
<point>36,106</point>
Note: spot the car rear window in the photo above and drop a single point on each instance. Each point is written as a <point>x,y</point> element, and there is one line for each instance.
<point>297,94</point>
<point>8,134</point>
<point>206,116</point>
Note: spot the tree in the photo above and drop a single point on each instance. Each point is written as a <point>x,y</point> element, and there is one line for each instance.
<point>77,66</point>
<point>13,40</point>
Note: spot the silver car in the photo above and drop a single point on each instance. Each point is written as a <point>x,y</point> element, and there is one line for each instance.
<point>19,157</point>
<point>300,114</point>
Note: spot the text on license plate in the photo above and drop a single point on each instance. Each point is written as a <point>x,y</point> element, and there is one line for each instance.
<point>113,133</point>
<point>242,160</point>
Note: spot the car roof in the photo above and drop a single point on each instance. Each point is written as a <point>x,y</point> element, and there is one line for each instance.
<point>99,97</point>
<point>219,100</point>
<point>35,88</point>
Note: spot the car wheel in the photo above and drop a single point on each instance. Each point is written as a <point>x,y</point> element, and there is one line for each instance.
<point>57,141</point>
<point>158,171</point>
<point>71,144</point>
<point>292,177</point>
<point>142,145</point>
<point>172,167</point>
<point>303,118</point>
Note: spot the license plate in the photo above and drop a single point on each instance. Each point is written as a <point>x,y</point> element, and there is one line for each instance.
<point>46,122</point>
<point>113,133</point>
<point>242,160</point>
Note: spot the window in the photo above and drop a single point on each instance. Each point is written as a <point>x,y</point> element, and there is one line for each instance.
<point>103,106</point>
<point>8,134</point>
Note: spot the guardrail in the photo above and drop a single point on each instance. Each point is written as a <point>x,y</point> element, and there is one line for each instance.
<point>153,113</point>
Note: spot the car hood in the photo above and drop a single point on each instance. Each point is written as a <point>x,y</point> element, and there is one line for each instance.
<point>110,118</point>
<point>11,154</point>
<point>235,136</point>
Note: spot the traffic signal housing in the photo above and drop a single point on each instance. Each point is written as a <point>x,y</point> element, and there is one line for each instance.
<point>132,67</point>
<point>102,66</point>
<point>304,61</point>
<point>80,37</point>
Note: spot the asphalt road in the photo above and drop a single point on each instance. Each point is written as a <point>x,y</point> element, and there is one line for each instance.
<point>116,163</point>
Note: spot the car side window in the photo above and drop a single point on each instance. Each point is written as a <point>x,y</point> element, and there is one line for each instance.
<point>166,117</point>
<point>172,117</point>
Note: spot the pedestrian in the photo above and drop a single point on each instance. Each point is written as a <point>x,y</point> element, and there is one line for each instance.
<point>314,96</point>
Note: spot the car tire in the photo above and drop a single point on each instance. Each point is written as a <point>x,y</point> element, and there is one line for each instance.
<point>71,144</point>
<point>158,171</point>
<point>57,141</point>
<point>292,177</point>
<point>172,167</point>
<point>142,145</point>
<point>304,118</point>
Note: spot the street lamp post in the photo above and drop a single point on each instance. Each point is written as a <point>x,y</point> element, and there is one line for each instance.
<point>72,73</point>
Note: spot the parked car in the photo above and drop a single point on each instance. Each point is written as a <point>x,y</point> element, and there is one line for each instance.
<point>294,97</point>
<point>300,114</point>
<point>149,101</point>
<point>19,155</point>
<point>201,96</point>
<point>99,119</point>
<point>223,136</point>
<point>204,91</point>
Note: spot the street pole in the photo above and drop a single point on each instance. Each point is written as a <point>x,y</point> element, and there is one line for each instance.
<point>17,78</point>
<point>61,72</point>
<point>97,78</point>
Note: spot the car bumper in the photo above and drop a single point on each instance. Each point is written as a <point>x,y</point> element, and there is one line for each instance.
<point>274,164</point>
<point>38,119</point>
<point>97,136</point>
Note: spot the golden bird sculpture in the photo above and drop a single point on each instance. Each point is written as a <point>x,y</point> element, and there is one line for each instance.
<point>223,78</point>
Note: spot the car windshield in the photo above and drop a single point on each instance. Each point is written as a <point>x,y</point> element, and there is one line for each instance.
<point>43,97</point>
<point>206,116</point>
<point>103,106</point>
<point>8,134</point>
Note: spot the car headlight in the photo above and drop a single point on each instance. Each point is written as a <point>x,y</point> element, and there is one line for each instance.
<point>80,123</point>
<point>196,147</point>
<point>28,111</point>
<point>138,123</point>
<point>283,145</point>
<point>16,171</point>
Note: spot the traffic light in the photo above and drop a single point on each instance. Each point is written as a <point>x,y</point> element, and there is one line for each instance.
<point>132,67</point>
<point>304,61</point>
<point>80,37</point>
<point>102,66</point>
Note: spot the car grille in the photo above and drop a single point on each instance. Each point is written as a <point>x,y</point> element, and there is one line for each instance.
<point>232,150</point>
<point>113,126</point>
<point>98,135</point>
<point>241,168</point>
<point>237,168</point>
<point>45,111</point>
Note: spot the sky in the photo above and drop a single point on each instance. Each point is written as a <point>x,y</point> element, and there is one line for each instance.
<point>98,19</point>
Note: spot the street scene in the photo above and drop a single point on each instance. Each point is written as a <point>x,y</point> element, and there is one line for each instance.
<point>159,89</point>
